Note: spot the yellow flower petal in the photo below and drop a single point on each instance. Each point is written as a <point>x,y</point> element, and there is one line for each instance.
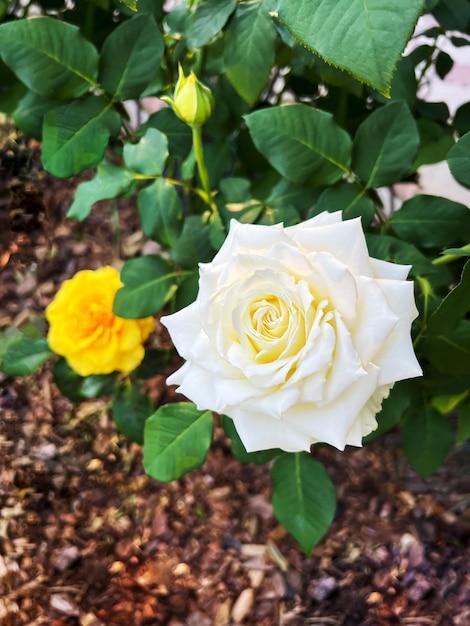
<point>84,329</point>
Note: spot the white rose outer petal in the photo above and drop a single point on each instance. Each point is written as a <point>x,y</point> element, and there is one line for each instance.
<point>296,334</point>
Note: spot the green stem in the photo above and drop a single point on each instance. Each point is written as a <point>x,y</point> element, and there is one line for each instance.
<point>89,21</point>
<point>201,165</point>
<point>115,227</point>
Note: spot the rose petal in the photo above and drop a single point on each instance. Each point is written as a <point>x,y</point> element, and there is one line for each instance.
<point>396,357</point>
<point>384,269</point>
<point>184,327</point>
<point>375,319</point>
<point>261,432</point>
<point>322,219</point>
<point>243,238</point>
<point>344,240</point>
<point>346,368</point>
<point>210,391</point>
<point>331,422</point>
<point>339,285</point>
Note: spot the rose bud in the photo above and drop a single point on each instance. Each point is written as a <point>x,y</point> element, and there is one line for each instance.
<point>192,101</point>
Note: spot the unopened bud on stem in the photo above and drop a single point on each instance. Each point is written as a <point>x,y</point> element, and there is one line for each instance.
<point>192,101</point>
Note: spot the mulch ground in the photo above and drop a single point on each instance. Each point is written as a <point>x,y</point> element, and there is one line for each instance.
<point>87,539</point>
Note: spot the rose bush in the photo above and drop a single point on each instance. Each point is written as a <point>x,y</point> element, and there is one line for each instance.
<point>84,330</point>
<point>296,334</point>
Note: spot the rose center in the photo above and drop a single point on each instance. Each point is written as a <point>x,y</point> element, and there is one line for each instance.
<point>269,318</point>
<point>267,327</point>
<point>98,318</point>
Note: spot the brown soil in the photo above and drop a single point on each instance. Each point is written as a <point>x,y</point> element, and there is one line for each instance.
<point>87,539</point>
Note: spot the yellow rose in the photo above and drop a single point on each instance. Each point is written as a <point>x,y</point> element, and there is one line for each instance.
<point>84,329</point>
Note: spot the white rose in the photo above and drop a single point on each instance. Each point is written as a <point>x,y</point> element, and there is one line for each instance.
<point>296,334</point>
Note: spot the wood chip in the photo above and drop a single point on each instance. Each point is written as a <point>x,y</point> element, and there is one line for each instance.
<point>243,605</point>
<point>61,603</point>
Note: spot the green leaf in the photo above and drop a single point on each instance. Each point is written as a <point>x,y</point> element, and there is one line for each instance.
<point>427,300</point>
<point>449,403</point>
<point>130,57</point>
<point>110,181</point>
<point>459,42</point>
<point>217,232</point>
<point>459,160</point>
<point>349,199</point>
<point>75,136</point>
<point>444,64</point>
<point>11,94</point>
<point>149,283</point>
<point>155,362</point>
<point>393,409</point>
<point>51,57</point>
<point>193,246</point>
<point>21,355</point>
<point>385,145</point>
<point>449,350</point>
<point>404,83</point>
<point>434,111</point>
<point>392,249</point>
<point>4,4</point>
<point>304,144</point>
<point>208,19</point>
<point>454,306</point>
<point>236,189</point>
<point>453,14</point>
<point>149,155</point>
<point>461,121</point>
<point>403,86</point>
<point>67,381</point>
<point>131,408</point>
<point>154,7</point>
<point>188,287</point>
<point>78,388</point>
<point>97,385</point>
<point>177,438</point>
<point>378,30</point>
<point>160,212</point>
<point>274,215</point>
<point>177,132</point>
<point>219,160</point>
<point>249,50</point>
<point>244,212</point>
<point>130,4</point>
<point>29,113</point>
<point>283,193</point>
<point>304,499</point>
<point>432,222</point>
<point>427,438</point>
<point>463,425</point>
<point>435,142</point>
<point>239,450</point>
<point>459,252</point>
